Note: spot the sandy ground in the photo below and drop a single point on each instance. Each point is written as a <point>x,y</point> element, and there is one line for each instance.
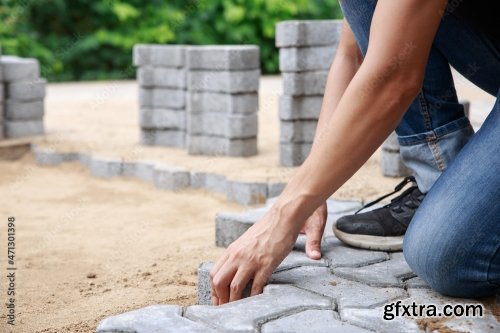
<point>142,244</point>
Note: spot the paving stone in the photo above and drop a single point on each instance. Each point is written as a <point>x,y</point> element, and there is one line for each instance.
<point>230,226</point>
<point>392,165</point>
<point>23,128</point>
<point>18,69</point>
<point>152,319</point>
<point>158,118</point>
<point>301,59</point>
<point>340,255</point>
<point>210,181</point>
<point>27,90</point>
<point>162,98</point>
<point>300,107</point>
<point>304,83</point>
<point>105,167</point>
<point>224,81</point>
<point>149,76</point>
<point>275,189</point>
<point>201,101</point>
<point>317,321</point>
<point>246,193</point>
<point>248,314</point>
<point>170,178</point>
<point>163,137</point>
<point>298,131</point>
<point>336,206</point>
<point>372,319</point>
<point>46,156</point>
<point>204,288</point>
<point>416,282</point>
<point>294,154</point>
<point>299,259</point>
<point>223,57</point>
<point>391,144</point>
<point>219,146</point>
<point>2,90</point>
<point>225,125</point>
<point>159,55</point>
<point>308,33</point>
<point>142,170</point>
<point>17,110</point>
<point>383,274</point>
<point>85,159</point>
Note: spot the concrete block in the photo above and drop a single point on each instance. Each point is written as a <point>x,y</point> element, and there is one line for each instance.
<point>391,144</point>
<point>171,178</point>
<point>299,259</point>
<point>246,193</point>
<point>230,226</point>
<point>152,319</point>
<point>275,189</point>
<point>245,315</point>
<point>372,319</point>
<point>308,33</point>
<point>28,90</point>
<point>23,128</point>
<point>342,206</point>
<point>295,108</point>
<point>18,69</point>
<point>294,154</point>
<point>149,76</point>
<point>162,98</point>
<point>299,131</point>
<point>17,110</point>
<point>2,131</point>
<point>416,282</point>
<point>159,55</point>
<point>209,181</point>
<point>163,137</point>
<point>158,118</point>
<point>142,170</point>
<point>204,288</point>
<point>304,83</point>
<point>224,57</point>
<point>85,159</point>
<point>233,126</point>
<point>198,101</point>
<point>340,255</point>
<point>306,58</point>
<point>2,90</point>
<point>219,146</point>
<point>224,81</point>
<point>392,165</point>
<point>105,167</point>
<point>46,156</point>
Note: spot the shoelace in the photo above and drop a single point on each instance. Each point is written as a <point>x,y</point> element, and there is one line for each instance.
<point>399,187</point>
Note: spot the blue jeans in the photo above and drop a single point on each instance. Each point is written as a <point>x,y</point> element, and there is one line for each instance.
<point>453,241</point>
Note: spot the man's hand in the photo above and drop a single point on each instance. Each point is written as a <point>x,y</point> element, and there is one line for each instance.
<point>313,229</point>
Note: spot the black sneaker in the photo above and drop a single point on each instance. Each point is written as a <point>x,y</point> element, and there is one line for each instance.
<point>383,228</point>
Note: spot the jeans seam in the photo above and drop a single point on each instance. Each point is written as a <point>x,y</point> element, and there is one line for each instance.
<point>424,111</point>
<point>436,153</point>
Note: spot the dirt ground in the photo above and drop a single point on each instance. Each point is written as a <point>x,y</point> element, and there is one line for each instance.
<point>143,245</point>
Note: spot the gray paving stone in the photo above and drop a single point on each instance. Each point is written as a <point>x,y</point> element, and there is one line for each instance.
<point>299,259</point>
<point>230,226</point>
<point>233,126</point>
<point>170,178</point>
<point>300,107</point>
<point>219,146</point>
<point>2,132</point>
<point>162,98</point>
<point>142,170</point>
<point>204,288</point>
<point>274,189</point>
<point>336,206</point>
<point>391,165</point>
<point>210,181</point>
<point>46,156</point>
<point>294,154</point>
<point>317,321</point>
<point>224,81</point>
<point>298,131</point>
<point>304,83</point>
<point>149,76</point>
<point>23,128</point>
<point>85,159</point>
<point>17,110</point>
<point>105,167</point>
<point>152,319</point>
<point>308,33</point>
<point>372,319</point>
<point>301,59</point>
<point>391,144</point>
<point>223,57</point>
<point>2,90</point>
<point>383,274</point>
<point>246,193</point>
<point>416,282</point>
<point>248,314</point>
<point>27,90</point>
<point>18,69</point>
<point>159,55</point>
<point>158,118</point>
<point>340,255</point>
<point>202,101</point>
<point>163,137</point>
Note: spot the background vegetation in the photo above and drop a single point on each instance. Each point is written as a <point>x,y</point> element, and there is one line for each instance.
<point>93,39</point>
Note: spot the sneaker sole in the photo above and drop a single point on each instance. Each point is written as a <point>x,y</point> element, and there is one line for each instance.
<point>377,243</point>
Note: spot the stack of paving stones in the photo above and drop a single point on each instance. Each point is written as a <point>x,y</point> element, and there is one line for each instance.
<point>307,49</point>
<point>22,94</point>
<point>162,94</point>
<point>345,291</point>
<point>223,83</point>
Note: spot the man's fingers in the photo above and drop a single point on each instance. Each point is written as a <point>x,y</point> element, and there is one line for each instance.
<point>313,242</point>
<point>259,281</point>
<point>220,283</point>
<point>239,283</point>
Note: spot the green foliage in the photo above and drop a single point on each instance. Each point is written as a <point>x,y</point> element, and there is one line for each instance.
<point>93,39</point>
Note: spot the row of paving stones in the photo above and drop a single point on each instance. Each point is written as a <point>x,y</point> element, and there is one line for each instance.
<point>163,176</point>
<point>348,290</point>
